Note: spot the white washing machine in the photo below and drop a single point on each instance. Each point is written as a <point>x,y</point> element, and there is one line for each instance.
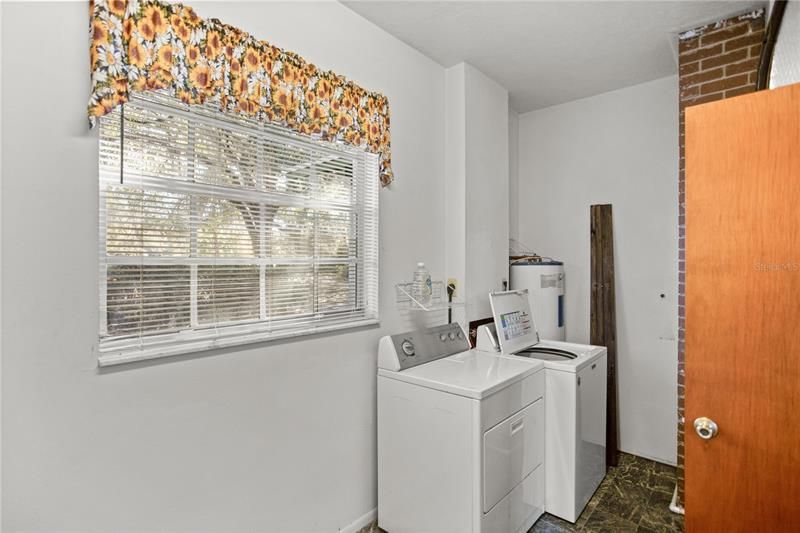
<point>575,401</point>
<point>460,436</point>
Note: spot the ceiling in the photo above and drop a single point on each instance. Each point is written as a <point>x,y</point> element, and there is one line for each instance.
<point>550,52</point>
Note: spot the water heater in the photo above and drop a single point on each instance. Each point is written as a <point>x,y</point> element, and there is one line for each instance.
<point>545,283</point>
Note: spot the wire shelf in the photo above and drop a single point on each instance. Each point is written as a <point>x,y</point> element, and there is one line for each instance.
<point>438,301</point>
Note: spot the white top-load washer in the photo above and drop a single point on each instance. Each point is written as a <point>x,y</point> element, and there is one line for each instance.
<point>575,401</point>
<point>460,436</point>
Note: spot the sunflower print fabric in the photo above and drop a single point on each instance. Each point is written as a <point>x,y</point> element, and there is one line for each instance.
<point>146,45</point>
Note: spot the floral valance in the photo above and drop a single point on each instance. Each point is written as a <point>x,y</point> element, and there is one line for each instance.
<point>140,45</point>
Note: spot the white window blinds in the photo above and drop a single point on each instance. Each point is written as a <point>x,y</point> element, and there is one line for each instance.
<point>217,230</point>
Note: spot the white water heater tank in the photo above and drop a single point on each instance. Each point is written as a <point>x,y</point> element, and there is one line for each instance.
<point>545,283</point>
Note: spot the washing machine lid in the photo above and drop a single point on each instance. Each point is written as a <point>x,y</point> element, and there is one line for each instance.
<point>536,263</point>
<point>513,320</point>
<point>472,374</point>
<point>584,355</point>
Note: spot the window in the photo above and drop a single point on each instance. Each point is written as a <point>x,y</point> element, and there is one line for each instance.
<point>216,230</point>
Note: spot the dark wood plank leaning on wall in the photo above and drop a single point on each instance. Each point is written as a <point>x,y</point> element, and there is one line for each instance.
<point>603,319</point>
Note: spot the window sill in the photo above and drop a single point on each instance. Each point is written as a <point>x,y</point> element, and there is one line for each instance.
<point>111,356</point>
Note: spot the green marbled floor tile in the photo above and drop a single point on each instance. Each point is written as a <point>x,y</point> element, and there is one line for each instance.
<point>552,524</point>
<point>602,521</point>
<point>661,482</point>
<point>626,500</point>
<point>634,496</point>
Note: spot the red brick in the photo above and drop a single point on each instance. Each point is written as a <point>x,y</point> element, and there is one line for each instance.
<point>724,33</point>
<point>724,84</point>
<point>702,77</point>
<point>689,68</point>
<point>740,91</point>
<point>689,93</point>
<point>701,53</point>
<point>746,40</point>
<point>703,99</point>
<point>750,65</point>
<point>755,51</point>
<point>723,59</point>
<point>684,45</point>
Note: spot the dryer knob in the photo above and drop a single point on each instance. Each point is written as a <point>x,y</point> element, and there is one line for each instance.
<point>408,348</point>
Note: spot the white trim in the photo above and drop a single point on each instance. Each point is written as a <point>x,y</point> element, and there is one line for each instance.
<point>673,505</point>
<point>644,455</point>
<point>120,357</point>
<point>1,318</point>
<point>360,522</point>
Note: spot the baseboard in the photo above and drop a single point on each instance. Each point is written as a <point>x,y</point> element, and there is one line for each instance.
<point>360,522</point>
<point>670,462</point>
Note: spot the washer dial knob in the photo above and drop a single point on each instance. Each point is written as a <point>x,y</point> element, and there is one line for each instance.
<point>442,337</point>
<point>408,348</point>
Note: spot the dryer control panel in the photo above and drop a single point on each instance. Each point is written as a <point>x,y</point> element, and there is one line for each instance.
<point>406,350</point>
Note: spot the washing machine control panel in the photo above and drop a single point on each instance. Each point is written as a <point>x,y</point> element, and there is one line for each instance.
<point>424,345</point>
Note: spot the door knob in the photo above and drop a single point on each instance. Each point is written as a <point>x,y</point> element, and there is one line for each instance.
<point>705,428</point>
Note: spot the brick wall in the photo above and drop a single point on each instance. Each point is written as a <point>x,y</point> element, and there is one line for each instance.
<point>715,61</point>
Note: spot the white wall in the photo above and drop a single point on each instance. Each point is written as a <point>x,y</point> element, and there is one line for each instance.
<point>455,206</point>
<point>513,174</point>
<point>477,171</point>
<point>1,285</point>
<point>272,437</point>
<point>487,190</point>
<point>620,148</point>
<point>786,57</point>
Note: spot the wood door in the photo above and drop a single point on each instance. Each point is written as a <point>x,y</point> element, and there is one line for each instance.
<point>743,312</point>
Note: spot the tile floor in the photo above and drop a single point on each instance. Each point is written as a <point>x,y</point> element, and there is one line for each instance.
<point>634,497</point>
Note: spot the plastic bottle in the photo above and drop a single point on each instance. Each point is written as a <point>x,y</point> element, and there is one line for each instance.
<point>421,289</point>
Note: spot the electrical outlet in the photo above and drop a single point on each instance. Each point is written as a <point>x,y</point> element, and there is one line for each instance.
<point>454,283</point>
